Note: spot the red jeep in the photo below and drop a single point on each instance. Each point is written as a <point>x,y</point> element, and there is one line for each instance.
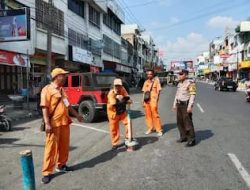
<point>88,92</point>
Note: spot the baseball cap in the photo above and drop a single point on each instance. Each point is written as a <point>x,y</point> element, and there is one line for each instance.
<point>183,71</point>
<point>58,71</point>
<point>118,82</point>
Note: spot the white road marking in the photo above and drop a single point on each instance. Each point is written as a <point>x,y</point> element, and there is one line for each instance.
<point>92,128</point>
<point>201,109</point>
<point>244,174</point>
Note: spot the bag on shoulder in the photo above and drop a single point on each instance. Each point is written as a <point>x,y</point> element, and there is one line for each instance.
<point>42,126</point>
<point>147,94</point>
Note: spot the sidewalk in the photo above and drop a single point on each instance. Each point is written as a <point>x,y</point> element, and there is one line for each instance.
<point>18,114</point>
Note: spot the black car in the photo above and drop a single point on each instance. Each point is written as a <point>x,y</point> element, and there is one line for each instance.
<point>225,84</point>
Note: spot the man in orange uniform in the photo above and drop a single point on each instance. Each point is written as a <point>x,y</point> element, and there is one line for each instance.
<point>54,99</point>
<point>116,109</point>
<point>152,89</point>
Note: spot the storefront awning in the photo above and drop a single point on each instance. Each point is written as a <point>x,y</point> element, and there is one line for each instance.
<point>244,64</point>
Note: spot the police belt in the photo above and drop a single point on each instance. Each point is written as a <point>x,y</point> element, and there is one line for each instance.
<point>182,102</point>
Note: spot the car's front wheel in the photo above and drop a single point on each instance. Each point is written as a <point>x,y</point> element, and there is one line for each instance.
<point>87,110</point>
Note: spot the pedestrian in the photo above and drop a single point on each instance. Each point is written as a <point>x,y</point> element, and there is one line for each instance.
<point>151,94</point>
<point>183,104</point>
<point>55,108</point>
<point>116,109</point>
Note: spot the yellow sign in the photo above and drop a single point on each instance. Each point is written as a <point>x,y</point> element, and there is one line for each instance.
<point>245,64</point>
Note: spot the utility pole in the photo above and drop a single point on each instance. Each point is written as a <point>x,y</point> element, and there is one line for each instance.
<point>27,78</point>
<point>49,40</point>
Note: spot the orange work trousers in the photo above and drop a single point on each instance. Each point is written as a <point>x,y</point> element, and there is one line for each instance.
<point>56,149</point>
<point>114,127</point>
<point>153,120</point>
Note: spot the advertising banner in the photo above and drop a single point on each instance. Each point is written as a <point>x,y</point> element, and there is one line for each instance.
<point>14,25</point>
<point>13,59</point>
<point>179,65</point>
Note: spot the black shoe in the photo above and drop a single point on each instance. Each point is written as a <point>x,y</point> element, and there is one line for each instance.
<point>181,140</point>
<point>63,169</point>
<point>115,147</point>
<point>46,179</point>
<point>190,143</point>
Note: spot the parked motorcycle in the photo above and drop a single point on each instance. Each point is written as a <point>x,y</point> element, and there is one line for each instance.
<point>5,122</point>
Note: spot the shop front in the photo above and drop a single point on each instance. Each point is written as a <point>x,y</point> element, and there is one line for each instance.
<point>13,67</point>
<point>244,67</point>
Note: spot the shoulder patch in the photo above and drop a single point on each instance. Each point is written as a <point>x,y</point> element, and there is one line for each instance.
<point>192,89</point>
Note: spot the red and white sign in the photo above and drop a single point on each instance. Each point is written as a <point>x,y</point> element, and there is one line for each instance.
<point>13,59</point>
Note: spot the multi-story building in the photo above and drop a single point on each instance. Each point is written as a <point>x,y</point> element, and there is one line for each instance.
<point>80,30</point>
<point>113,50</point>
<point>132,34</point>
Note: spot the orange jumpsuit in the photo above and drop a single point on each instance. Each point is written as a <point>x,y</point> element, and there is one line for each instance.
<point>57,142</point>
<point>114,119</point>
<point>153,120</point>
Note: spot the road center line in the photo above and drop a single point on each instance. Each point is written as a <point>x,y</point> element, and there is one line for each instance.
<point>92,128</point>
<point>244,174</point>
<point>199,106</point>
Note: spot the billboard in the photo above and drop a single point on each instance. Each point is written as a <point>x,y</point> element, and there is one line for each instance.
<point>179,65</point>
<point>14,59</point>
<point>14,25</point>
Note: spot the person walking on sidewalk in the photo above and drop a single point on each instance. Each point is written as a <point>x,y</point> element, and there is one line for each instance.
<point>151,94</point>
<point>116,109</point>
<point>55,108</point>
<point>183,104</point>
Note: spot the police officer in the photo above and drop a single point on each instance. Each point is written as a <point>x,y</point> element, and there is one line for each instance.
<point>183,104</point>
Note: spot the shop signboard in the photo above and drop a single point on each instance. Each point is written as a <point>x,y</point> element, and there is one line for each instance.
<point>14,59</point>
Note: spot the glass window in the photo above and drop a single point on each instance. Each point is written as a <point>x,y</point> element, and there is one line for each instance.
<point>76,81</point>
<point>77,6</point>
<point>87,81</point>
<point>94,17</point>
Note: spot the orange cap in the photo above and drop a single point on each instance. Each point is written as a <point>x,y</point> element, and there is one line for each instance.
<point>58,71</point>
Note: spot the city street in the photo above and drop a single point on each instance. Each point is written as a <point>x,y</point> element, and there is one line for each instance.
<point>222,125</point>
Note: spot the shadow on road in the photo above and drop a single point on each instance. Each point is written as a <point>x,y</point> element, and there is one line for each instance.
<point>8,140</point>
<point>108,155</point>
<point>168,127</point>
<point>136,114</point>
<point>202,135</point>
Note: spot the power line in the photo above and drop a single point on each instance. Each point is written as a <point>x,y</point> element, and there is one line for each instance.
<point>191,19</point>
<point>123,4</point>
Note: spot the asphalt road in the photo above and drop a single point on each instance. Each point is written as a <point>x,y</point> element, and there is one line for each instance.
<point>222,126</point>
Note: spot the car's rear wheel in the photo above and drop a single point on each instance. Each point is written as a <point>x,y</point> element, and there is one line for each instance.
<point>87,110</point>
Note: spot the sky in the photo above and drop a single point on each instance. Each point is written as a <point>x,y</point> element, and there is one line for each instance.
<point>184,28</point>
